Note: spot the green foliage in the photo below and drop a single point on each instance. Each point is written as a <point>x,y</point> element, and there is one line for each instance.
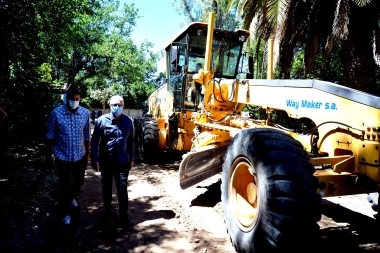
<point>198,11</point>
<point>327,69</point>
<point>101,95</point>
<point>115,61</point>
<point>32,32</point>
<point>46,43</point>
<point>45,71</point>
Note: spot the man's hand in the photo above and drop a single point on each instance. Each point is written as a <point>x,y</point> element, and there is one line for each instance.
<point>95,166</point>
<point>88,156</point>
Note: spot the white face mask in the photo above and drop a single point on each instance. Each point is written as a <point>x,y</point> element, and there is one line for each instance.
<point>73,104</point>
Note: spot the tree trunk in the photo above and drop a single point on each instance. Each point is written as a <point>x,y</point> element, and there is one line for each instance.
<point>359,65</point>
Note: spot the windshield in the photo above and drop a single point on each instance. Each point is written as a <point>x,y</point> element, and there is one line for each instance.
<point>186,56</point>
<point>225,55</point>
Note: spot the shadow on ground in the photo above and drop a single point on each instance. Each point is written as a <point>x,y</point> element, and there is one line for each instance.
<point>349,231</point>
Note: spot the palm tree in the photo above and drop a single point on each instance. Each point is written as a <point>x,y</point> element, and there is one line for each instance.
<point>316,25</point>
<point>198,10</point>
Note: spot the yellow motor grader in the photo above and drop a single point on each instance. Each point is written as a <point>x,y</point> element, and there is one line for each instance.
<point>272,176</point>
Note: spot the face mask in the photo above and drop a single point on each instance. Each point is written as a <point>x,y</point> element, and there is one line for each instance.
<point>116,110</point>
<point>73,104</point>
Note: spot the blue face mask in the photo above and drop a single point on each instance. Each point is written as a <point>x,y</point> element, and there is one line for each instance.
<point>116,110</point>
<point>73,104</point>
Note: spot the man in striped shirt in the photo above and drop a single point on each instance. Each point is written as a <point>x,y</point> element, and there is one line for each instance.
<point>68,136</point>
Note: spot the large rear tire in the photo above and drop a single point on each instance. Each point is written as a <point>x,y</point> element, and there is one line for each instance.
<point>137,138</point>
<point>146,139</point>
<point>269,194</point>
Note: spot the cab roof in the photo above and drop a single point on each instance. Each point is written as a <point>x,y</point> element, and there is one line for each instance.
<point>200,29</point>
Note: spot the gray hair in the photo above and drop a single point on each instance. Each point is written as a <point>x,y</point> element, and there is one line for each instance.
<point>117,98</point>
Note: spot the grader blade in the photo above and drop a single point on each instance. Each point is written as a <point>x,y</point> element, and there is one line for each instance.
<point>198,166</point>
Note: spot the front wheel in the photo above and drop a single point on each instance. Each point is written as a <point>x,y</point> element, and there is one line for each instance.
<point>269,197</point>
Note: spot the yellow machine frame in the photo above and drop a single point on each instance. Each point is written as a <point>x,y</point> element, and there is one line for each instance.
<point>348,121</point>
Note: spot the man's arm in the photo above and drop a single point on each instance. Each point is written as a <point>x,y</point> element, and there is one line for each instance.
<point>86,135</point>
<point>95,146</point>
<point>130,145</point>
<point>87,147</point>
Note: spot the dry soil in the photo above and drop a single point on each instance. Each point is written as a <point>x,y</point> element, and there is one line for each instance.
<point>167,219</point>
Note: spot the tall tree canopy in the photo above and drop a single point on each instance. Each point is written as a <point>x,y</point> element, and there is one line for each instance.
<point>315,26</point>
<point>32,33</point>
<point>46,43</point>
<point>198,10</point>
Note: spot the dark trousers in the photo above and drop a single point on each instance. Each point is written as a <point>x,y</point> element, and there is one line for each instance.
<point>71,179</point>
<point>120,173</point>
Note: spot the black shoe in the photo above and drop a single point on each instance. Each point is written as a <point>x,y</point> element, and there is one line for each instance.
<point>106,218</point>
<point>130,223</point>
<point>127,225</point>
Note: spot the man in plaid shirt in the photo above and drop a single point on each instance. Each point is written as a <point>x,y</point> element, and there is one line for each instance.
<point>68,136</point>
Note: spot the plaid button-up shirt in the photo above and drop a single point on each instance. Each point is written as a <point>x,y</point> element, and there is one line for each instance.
<point>69,131</point>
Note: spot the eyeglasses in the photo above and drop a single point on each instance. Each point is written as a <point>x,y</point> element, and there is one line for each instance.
<point>117,105</point>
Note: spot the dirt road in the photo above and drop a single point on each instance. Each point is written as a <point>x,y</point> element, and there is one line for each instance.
<point>167,218</point>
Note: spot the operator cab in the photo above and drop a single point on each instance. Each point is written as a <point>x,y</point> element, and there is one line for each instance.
<point>185,55</point>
